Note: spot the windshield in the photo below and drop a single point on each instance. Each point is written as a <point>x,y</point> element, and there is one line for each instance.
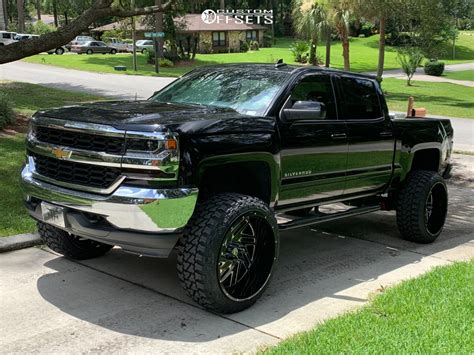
<point>247,92</point>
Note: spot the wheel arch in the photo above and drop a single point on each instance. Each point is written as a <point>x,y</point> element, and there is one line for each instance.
<point>253,174</point>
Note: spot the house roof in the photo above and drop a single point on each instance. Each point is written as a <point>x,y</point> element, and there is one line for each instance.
<point>186,24</point>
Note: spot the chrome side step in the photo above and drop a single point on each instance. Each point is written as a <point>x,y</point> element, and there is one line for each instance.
<point>326,217</point>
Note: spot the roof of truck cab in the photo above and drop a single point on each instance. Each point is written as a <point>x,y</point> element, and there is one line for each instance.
<point>289,68</point>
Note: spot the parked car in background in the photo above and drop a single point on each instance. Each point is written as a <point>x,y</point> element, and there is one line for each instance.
<point>59,51</point>
<point>92,47</point>
<point>143,46</point>
<point>118,44</point>
<point>79,40</point>
<point>7,38</point>
<point>25,36</point>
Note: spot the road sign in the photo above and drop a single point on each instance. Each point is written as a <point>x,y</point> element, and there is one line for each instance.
<point>154,34</point>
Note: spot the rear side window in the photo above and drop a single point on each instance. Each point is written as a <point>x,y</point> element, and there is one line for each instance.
<point>359,99</point>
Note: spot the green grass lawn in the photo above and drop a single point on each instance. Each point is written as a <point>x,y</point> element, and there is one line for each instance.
<point>443,99</point>
<point>363,54</point>
<point>26,99</point>
<point>429,315</point>
<point>460,75</point>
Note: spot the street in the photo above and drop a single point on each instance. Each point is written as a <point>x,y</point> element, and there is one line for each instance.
<point>125,303</point>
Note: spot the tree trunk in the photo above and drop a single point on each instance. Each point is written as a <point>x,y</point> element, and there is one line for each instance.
<point>66,19</point>
<point>381,48</point>
<point>55,13</point>
<point>3,22</point>
<point>20,5</point>
<point>38,9</point>
<point>345,52</point>
<point>328,48</point>
<point>313,58</point>
<point>222,4</point>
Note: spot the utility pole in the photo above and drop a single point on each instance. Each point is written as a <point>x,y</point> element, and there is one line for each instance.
<point>134,39</point>
<point>159,28</point>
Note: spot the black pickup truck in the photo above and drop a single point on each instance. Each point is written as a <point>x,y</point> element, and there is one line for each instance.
<point>206,166</point>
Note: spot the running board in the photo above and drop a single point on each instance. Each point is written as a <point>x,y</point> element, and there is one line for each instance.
<point>320,218</point>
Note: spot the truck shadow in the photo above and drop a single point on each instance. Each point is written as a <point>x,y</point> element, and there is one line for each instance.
<point>321,272</point>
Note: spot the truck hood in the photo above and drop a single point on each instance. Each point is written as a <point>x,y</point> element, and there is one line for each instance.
<point>153,116</point>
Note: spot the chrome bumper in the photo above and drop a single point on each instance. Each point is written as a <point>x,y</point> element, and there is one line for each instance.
<point>128,209</point>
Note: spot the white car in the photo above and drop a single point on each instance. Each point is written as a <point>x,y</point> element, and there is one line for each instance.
<point>7,38</point>
<point>143,46</point>
<point>24,36</point>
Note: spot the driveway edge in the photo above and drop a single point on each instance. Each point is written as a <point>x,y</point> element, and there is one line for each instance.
<point>19,241</point>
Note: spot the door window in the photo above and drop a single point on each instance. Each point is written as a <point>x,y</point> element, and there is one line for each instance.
<point>316,88</point>
<point>359,99</point>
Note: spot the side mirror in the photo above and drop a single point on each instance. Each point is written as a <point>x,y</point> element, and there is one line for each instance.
<point>304,110</point>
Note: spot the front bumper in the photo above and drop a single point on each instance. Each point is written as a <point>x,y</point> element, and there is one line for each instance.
<point>140,220</point>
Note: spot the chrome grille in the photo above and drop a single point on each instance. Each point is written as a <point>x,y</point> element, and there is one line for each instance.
<point>78,140</point>
<point>95,176</point>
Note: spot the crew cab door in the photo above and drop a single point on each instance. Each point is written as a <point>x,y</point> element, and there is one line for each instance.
<point>369,132</point>
<point>313,144</point>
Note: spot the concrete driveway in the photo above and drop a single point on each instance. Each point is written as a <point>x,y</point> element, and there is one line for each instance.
<point>125,303</point>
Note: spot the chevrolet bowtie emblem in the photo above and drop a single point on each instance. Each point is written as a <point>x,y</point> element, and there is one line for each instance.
<point>61,154</point>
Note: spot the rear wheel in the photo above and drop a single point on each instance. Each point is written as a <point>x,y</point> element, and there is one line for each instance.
<point>422,207</point>
<point>59,51</point>
<point>227,254</point>
<point>113,51</point>
<point>144,50</point>
<point>69,245</point>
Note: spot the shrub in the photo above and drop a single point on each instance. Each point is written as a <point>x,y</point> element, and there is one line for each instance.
<point>434,68</point>
<point>244,46</point>
<point>166,63</point>
<point>299,48</point>
<point>40,28</point>
<point>367,29</point>
<point>254,46</point>
<point>409,60</point>
<point>7,116</point>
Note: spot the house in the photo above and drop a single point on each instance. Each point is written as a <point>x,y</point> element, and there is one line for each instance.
<point>211,37</point>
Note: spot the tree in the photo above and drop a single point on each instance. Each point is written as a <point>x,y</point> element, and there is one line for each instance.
<point>379,10</point>
<point>21,15</point>
<point>339,14</point>
<point>98,10</point>
<point>309,17</point>
<point>3,15</point>
<point>409,59</point>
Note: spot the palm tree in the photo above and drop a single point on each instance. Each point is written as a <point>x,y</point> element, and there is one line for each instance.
<point>379,10</point>
<point>309,17</point>
<point>339,13</point>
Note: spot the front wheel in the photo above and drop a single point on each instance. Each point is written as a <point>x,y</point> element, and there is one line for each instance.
<point>228,252</point>
<point>89,51</point>
<point>113,51</point>
<point>422,207</point>
<point>59,51</point>
<point>69,245</point>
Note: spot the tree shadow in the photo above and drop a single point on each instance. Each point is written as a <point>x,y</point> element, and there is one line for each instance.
<point>317,267</point>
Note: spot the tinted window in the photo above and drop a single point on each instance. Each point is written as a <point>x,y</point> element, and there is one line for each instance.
<point>359,99</point>
<point>316,88</point>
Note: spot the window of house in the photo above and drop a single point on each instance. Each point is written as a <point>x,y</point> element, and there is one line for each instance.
<point>359,99</point>
<point>218,39</point>
<point>251,35</point>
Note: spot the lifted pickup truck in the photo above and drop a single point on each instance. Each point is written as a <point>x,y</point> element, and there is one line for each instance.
<point>204,166</point>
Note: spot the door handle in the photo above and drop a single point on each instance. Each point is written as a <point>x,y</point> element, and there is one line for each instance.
<point>386,134</point>
<point>338,136</point>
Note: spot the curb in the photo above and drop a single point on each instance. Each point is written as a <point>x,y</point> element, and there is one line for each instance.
<point>19,241</point>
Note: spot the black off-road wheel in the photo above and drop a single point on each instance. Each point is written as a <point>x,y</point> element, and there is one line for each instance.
<point>69,245</point>
<point>227,254</point>
<point>422,207</point>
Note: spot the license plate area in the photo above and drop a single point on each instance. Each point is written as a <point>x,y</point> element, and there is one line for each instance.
<point>53,214</point>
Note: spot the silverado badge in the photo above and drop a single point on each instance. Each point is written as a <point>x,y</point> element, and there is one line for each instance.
<point>61,153</point>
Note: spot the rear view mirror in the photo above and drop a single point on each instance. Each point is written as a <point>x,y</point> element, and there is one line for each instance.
<point>304,110</point>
